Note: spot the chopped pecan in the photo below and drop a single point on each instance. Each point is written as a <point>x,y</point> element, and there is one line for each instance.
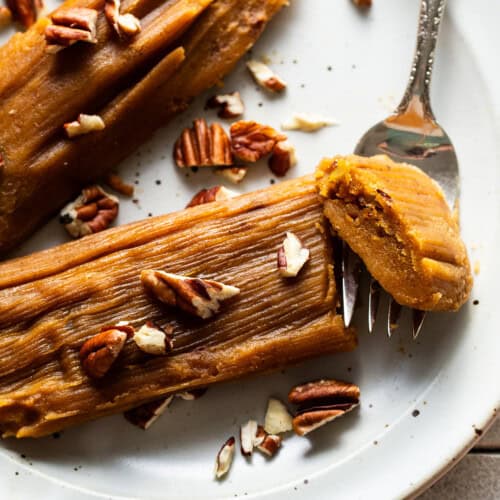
<point>125,25</point>
<point>265,77</point>
<point>203,146</point>
<point>362,3</point>
<point>93,211</point>
<point>225,458</point>
<point>115,182</point>
<point>5,16</point>
<point>98,353</point>
<point>283,158</point>
<point>196,296</point>
<point>248,434</point>
<point>230,105</point>
<point>251,141</point>
<point>216,193</point>
<point>145,415</point>
<point>25,12</point>
<point>292,255</point>
<point>154,340</point>
<point>321,402</point>
<point>269,444</point>
<point>71,25</point>
<point>307,122</point>
<point>232,174</point>
<point>84,124</point>
<point>277,419</point>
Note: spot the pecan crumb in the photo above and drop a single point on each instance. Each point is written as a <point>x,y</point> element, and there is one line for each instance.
<point>115,182</point>
<point>362,3</point>
<point>265,77</point>
<point>292,255</point>
<point>125,25</point>
<point>84,124</point>
<point>216,193</point>
<point>230,105</point>
<point>225,458</point>
<point>282,159</point>
<point>232,174</point>
<point>145,415</point>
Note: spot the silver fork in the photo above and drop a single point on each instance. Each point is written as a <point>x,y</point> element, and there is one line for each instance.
<point>410,135</point>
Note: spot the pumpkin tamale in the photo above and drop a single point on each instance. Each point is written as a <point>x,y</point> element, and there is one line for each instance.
<point>136,86</point>
<point>53,301</point>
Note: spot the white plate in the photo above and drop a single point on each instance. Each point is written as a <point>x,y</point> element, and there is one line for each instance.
<point>450,375</point>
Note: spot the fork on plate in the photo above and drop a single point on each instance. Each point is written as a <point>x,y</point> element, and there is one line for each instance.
<point>410,135</point>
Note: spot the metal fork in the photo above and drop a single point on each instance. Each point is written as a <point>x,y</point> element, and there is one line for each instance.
<point>410,135</point>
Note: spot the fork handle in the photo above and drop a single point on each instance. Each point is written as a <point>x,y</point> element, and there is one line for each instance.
<point>431,13</point>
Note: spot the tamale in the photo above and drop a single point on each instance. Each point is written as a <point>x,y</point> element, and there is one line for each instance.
<point>395,217</point>
<point>53,301</point>
<point>185,47</point>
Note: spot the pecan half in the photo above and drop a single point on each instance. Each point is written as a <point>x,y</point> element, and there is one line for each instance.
<point>230,105</point>
<point>196,296</point>
<point>321,402</point>
<point>93,211</point>
<point>282,159</point>
<point>25,12</point>
<point>125,25</point>
<point>98,353</point>
<point>71,25</point>
<point>153,340</point>
<point>5,16</point>
<point>265,76</point>
<point>292,255</point>
<point>251,141</point>
<point>84,124</point>
<point>225,458</point>
<point>216,193</point>
<point>145,415</point>
<point>277,419</point>
<point>115,182</point>
<point>203,146</point>
<point>232,174</point>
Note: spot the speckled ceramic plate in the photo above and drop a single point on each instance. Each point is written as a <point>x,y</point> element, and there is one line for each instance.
<point>423,403</point>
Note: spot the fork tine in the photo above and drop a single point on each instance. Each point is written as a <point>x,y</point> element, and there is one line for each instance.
<point>418,318</point>
<point>373,302</point>
<point>393,316</point>
<point>351,266</point>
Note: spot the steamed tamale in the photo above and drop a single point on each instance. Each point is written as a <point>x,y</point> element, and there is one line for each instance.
<point>53,301</point>
<point>185,47</point>
<point>396,219</point>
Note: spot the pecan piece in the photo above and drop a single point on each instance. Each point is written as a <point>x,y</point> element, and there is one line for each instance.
<point>282,159</point>
<point>232,174</point>
<point>125,25</point>
<point>145,415</point>
<point>230,105</point>
<point>321,402</point>
<point>292,255</point>
<point>154,340</point>
<point>84,124</point>
<point>115,182</point>
<point>269,444</point>
<point>215,193</point>
<point>5,16</point>
<point>25,12</point>
<point>248,435</point>
<point>307,122</point>
<point>71,25</point>
<point>277,419</point>
<point>203,146</point>
<point>225,458</point>
<point>93,211</point>
<point>192,394</point>
<point>265,76</point>
<point>98,353</point>
<point>196,296</point>
<point>251,141</point>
